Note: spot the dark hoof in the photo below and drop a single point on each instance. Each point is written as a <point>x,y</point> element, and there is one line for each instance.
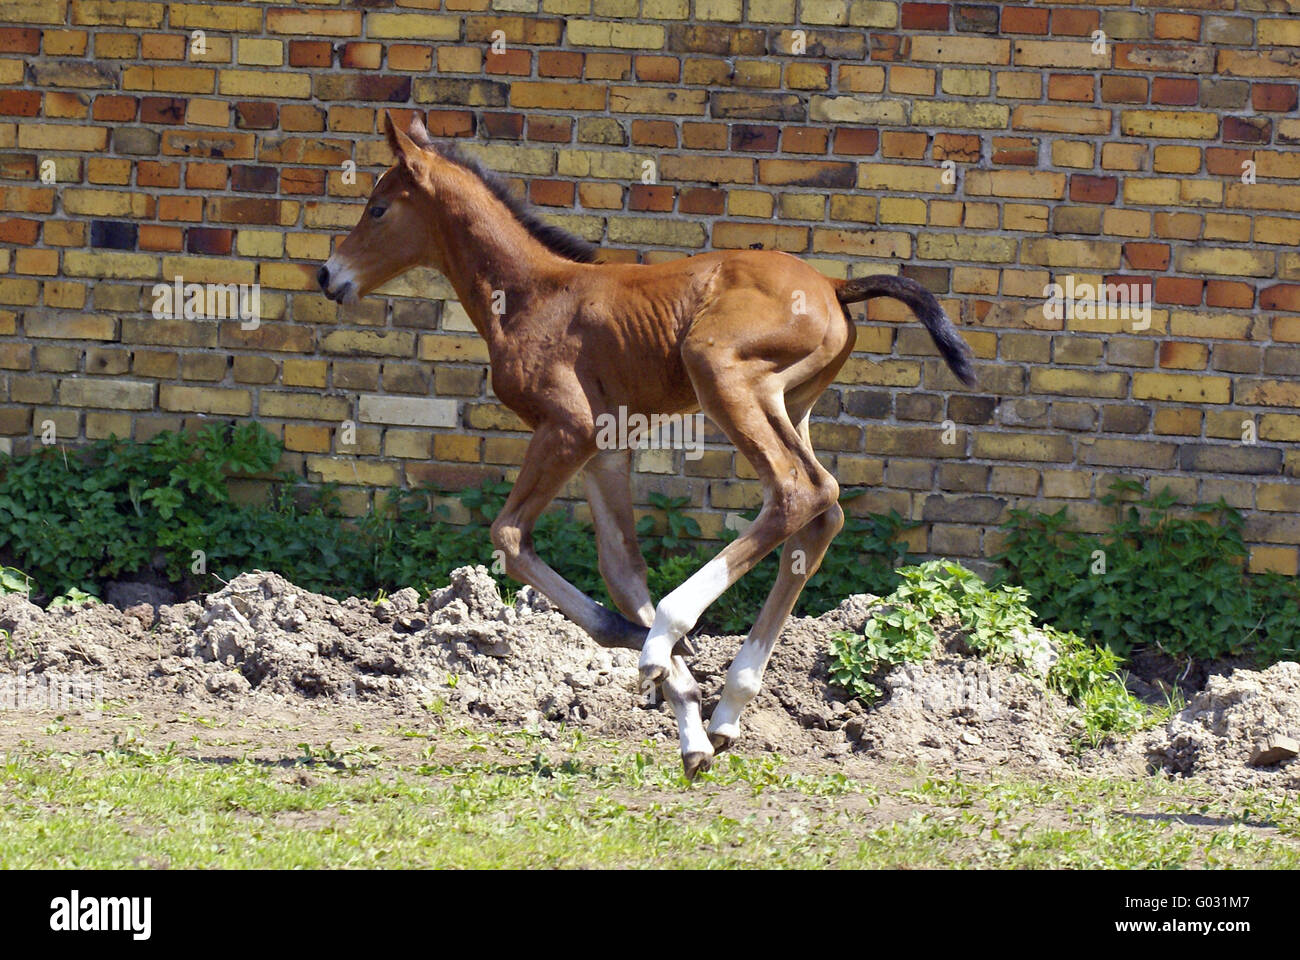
<point>720,743</point>
<point>695,763</point>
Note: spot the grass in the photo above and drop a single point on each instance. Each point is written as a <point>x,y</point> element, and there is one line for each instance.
<point>494,800</point>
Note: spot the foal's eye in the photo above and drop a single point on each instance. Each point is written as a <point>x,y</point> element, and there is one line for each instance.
<point>377,212</point>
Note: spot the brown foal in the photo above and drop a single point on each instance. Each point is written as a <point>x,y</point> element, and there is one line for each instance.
<point>749,337</point>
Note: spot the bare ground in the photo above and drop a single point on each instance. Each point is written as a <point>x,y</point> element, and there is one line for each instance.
<point>285,666</point>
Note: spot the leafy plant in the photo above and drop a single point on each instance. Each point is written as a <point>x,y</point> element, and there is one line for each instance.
<point>997,623</point>
<point>1161,576</point>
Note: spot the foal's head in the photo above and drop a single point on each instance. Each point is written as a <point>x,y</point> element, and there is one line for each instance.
<point>397,229</point>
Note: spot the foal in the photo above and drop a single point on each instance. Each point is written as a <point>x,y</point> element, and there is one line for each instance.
<point>749,337</point>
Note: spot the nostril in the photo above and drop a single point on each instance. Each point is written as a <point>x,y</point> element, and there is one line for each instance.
<point>323,277</point>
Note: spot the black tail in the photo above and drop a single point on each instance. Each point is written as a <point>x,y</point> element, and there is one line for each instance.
<point>954,350</point>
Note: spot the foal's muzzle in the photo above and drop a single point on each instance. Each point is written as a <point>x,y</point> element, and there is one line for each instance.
<point>323,278</point>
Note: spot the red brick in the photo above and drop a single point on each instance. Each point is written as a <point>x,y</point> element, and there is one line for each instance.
<point>1085,188</point>
<point>551,193</point>
<point>925,16</point>
<point>807,140</point>
<point>157,238</point>
<point>1075,23</point>
<point>1184,291</point>
<point>450,123</point>
<point>1274,97</point>
<point>1176,91</point>
<point>654,133</point>
<point>14,230</point>
<point>1282,296</point>
<point>658,69</point>
<point>550,129</point>
<point>24,103</point>
<point>153,173</point>
<point>644,196</point>
<point>1147,256</point>
<point>113,109</point>
<point>1229,293</point>
<point>559,63</point>
<point>1225,162</point>
<point>1020,151</point>
<point>311,53</point>
<point>1121,89</point>
<point>513,63</point>
<point>256,115</point>
<point>1071,87</point>
<point>361,56</point>
<point>20,40</point>
<point>1024,20</point>
<point>856,141</point>
<point>299,181</point>
<point>702,200</point>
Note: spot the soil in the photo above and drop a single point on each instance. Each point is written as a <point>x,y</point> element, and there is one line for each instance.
<point>266,651</point>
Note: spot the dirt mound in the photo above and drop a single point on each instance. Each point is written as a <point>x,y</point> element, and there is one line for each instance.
<point>465,653</point>
<point>1219,731</point>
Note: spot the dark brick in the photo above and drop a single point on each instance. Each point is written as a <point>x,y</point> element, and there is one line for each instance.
<point>113,234</point>
<point>256,115</point>
<point>254,179</point>
<point>754,139</point>
<point>503,126</point>
<point>162,109</point>
<point>970,18</point>
<point>925,16</point>
<point>1247,130</point>
<point>868,404</point>
<point>1236,458</point>
<point>215,241</point>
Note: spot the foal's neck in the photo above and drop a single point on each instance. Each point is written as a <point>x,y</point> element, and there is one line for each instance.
<point>495,265</point>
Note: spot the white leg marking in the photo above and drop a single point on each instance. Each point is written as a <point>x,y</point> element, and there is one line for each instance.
<point>697,748</point>
<point>676,615</point>
<point>744,678</point>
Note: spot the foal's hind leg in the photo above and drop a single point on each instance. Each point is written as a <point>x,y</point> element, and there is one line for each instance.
<point>608,482</point>
<point>800,558</point>
<point>749,407</point>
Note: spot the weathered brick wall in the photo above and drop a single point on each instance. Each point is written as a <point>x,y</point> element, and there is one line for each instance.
<point>1121,163</point>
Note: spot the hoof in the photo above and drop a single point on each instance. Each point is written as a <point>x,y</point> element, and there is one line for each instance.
<point>695,763</point>
<point>652,674</point>
<point>721,742</point>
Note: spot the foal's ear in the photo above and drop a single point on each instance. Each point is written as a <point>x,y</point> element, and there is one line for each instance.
<point>405,150</point>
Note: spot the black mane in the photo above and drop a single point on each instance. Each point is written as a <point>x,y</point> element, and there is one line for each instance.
<point>560,242</point>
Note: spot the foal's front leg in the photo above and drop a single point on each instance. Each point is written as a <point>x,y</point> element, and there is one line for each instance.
<point>608,481</point>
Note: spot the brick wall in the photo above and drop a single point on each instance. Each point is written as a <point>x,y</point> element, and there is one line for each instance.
<point>1123,163</point>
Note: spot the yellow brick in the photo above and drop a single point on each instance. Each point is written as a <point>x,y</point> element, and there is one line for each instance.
<point>1072,153</point>
<point>51,137</point>
<point>260,243</point>
<point>1059,54</point>
<point>1183,388</point>
<point>967,83</point>
<point>1156,193</point>
<point>903,178</point>
<point>1057,119</point>
<point>208,113</point>
<point>349,471</point>
<point>983,116</point>
<point>1176,124</point>
<point>308,246</point>
<point>460,59</point>
<point>1226,261</point>
<point>304,373</point>
<point>1020,86</point>
<point>590,33</point>
<point>254,51</point>
<point>456,447</point>
<point>960,50</point>
<point>411,26</point>
<point>1170,158</point>
<point>117,266</point>
<point>213,16</point>
<point>438,347</point>
<point>252,83</point>
<point>211,400</point>
<point>902,210</point>
<point>1024,184</point>
<point>171,79</point>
